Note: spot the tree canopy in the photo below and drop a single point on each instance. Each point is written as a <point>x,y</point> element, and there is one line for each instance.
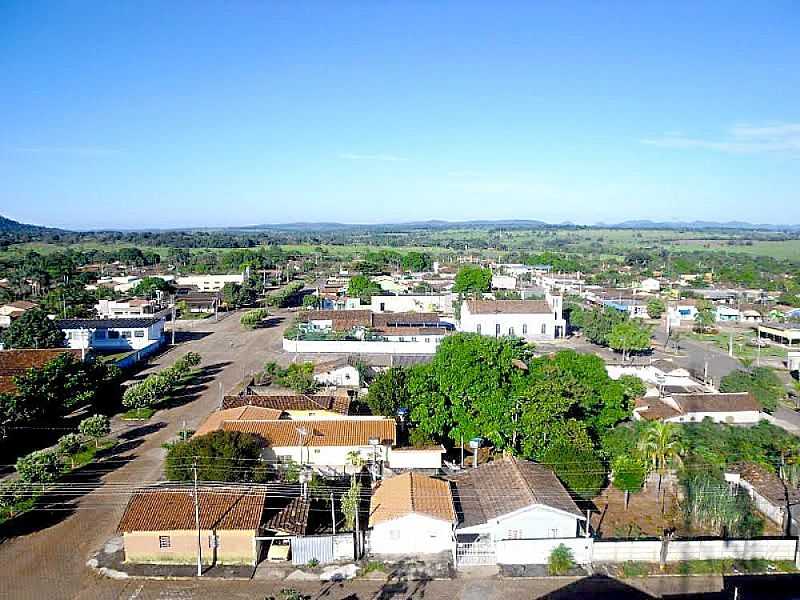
<point>629,336</point>
<point>760,381</point>
<point>33,329</point>
<point>472,280</point>
<point>219,456</point>
<point>363,288</point>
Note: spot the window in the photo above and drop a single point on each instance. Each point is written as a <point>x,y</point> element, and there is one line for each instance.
<point>138,333</point>
<point>413,339</point>
<point>126,335</point>
<point>478,328</point>
<point>514,534</point>
<point>164,542</point>
<point>427,340</point>
<point>113,335</point>
<point>213,541</point>
<point>524,329</point>
<point>510,331</point>
<point>554,533</point>
<point>544,328</point>
<point>100,334</point>
<point>497,329</point>
<point>383,306</point>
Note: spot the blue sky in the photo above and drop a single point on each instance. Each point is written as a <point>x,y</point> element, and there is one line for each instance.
<point>164,114</point>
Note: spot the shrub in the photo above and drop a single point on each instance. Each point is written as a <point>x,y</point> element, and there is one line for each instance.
<point>629,474</point>
<point>253,317</point>
<point>95,427</point>
<point>41,466</point>
<point>68,444</point>
<point>560,561</point>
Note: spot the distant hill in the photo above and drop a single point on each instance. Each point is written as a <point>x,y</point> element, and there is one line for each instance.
<point>646,224</point>
<point>11,226</point>
<point>411,225</point>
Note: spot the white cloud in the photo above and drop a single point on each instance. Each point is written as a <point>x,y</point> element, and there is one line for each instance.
<point>739,139</point>
<point>376,157</point>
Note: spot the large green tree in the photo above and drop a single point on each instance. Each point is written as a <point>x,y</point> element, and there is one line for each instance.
<point>416,262</point>
<point>219,456</point>
<point>598,323</point>
<point>33,329</point>
<point>629,336</point>
<point>363,288</point>
<point>388,392</point>
<point>472,280</point>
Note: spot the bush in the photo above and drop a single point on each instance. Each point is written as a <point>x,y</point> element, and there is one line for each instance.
<point>629,474</point>
<point>253,317</point>
<point>761,382</point>
<point>95,427</point>
<point>560,561</point>
<point>41,466</point>
<point>69,444</point>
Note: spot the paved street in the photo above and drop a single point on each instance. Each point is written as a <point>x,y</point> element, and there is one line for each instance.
<point>44,556</point>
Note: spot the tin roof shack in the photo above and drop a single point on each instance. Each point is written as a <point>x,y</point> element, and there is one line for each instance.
<point>158,526</point>
<point>772,496</point>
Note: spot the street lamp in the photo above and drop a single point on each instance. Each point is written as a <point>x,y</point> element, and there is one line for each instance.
<point>374,442</point>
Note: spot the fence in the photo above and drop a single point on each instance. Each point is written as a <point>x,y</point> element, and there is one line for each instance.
<point>360,347</point>
<point>585,550</point>
<point>323,549</point>
<point>140,355</point>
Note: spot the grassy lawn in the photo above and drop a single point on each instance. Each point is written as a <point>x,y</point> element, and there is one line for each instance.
<point>138,414</point>
<point>110,358</point>
<point>741,349</point>
<point>87,453</point>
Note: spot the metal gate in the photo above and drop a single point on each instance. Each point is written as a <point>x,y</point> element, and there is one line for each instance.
<point>322,549</point>
<point>473,554</point>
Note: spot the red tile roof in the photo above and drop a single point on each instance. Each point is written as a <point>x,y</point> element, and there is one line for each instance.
<point>170,509</point>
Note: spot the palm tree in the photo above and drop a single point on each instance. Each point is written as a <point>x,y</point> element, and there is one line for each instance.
<point>660,446</point>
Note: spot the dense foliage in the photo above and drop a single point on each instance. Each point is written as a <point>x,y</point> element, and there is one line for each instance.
<point>762,382</point>
<point>472,280</point>
<point>218,456</point>
<point>33,329</point>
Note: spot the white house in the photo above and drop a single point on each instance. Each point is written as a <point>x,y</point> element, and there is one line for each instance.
<point>112,334</point>
<point>209,283</point>
<point>528,319</point>
<point>512,499</point>
<point>504,282</point>
<point>650,285</point>
<point>740,408</point>
<point>14,310</point>
<point>411,514</point>
<point>429,303</point>
<point>129,307</point>
<point>726,313</point>
<point>339,372</point>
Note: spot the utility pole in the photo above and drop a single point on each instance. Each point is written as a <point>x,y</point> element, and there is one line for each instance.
<point>174,318</point>
<point>333,514</point>
<point>358,540</point>
<point>197,524</point>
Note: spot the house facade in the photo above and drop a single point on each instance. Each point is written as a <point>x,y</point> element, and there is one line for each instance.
<point>209,283</point>
<point>113,334</point>
<point>158,526</point>
<point>528,319</point>
<point>511,499</point>
<point>129,307</point>
<point>411,514</point>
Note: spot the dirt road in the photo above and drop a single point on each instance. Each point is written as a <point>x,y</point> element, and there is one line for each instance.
<point>44,555</point>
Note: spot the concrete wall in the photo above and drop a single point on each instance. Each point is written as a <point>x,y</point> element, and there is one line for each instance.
<point>359,347</point>
<point>234,547</point>
<point>516,552</point>
<point>536,552</point>
<point>411,534</point>
<point>415,459</point>
<point>743,417</point>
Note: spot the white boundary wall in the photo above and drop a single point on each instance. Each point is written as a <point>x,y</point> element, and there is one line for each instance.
<point>359,347</point>
<point>536,552</point>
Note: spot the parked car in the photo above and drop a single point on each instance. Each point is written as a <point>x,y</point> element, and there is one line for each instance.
<point>279,550</point>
